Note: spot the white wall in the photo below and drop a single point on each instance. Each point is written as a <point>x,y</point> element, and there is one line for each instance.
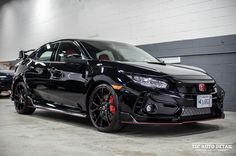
<point>26,24</point>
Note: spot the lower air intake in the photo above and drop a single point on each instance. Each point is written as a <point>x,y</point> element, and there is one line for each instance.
<point>191,111</point>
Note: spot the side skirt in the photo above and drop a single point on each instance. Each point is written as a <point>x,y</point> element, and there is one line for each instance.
<point>61,109</point>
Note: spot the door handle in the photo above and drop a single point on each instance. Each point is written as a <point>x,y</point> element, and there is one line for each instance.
<point>56,74</point>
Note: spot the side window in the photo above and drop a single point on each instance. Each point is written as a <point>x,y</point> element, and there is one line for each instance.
<point>68,51</point>
<point>105,55</point>
<point>45,53</point>
<point>45,56</point>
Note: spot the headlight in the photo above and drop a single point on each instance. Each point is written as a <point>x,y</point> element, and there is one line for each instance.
<point>148,82</point>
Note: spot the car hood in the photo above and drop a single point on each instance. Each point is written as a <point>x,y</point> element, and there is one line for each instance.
<point>170,69</point>
<point>175,70</point>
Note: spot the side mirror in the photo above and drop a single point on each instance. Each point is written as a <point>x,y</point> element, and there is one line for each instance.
<point>21,54</point>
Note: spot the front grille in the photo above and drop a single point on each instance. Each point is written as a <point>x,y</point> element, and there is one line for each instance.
<point>191,111</point>
<point>189,88</point>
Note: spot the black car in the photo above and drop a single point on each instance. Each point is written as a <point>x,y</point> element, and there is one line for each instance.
<point>113,83</point>
<point>5,80</point>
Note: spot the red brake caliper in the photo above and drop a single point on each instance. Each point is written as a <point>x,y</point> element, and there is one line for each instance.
<point>112,106</point>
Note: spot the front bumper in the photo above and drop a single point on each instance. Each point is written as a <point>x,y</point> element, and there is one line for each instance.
<point>173,107</point>
<point>130,119</point>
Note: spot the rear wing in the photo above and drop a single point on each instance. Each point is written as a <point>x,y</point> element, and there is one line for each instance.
<point>25,53</point>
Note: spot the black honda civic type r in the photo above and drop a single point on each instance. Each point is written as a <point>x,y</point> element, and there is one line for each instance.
<point>113,84</point>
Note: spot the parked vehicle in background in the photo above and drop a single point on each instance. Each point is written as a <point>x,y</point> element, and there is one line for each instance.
<point>5,79</point>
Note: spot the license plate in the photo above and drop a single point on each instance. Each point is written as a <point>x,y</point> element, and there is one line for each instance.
<point>204,101</point>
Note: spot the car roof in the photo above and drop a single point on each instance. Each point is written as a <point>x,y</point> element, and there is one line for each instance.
<point>85,40</point>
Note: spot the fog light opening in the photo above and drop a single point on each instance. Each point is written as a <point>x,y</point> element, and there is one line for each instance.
<point>151,108</point>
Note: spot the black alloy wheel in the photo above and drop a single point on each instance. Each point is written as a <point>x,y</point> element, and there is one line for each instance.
<point>22,102</point>
<point>104,109</point>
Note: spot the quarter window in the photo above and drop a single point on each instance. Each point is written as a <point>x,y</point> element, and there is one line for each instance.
<point>45,53</point>
<point>45,56</point>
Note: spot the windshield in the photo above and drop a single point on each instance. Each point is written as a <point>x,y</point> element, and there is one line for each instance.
<point>115,51</point>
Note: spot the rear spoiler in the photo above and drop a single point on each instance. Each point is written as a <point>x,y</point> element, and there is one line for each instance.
<point>23,53</point>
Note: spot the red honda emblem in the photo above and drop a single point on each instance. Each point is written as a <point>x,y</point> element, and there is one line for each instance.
<point>202,87</point>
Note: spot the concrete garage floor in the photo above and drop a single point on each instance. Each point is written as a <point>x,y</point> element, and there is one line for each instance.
<point>48,134</point>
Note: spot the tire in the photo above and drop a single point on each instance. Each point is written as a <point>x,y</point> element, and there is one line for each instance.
<point>22,103</point>
<point>104,110</point>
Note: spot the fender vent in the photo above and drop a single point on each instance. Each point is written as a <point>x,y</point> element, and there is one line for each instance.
<point>138,105</point>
